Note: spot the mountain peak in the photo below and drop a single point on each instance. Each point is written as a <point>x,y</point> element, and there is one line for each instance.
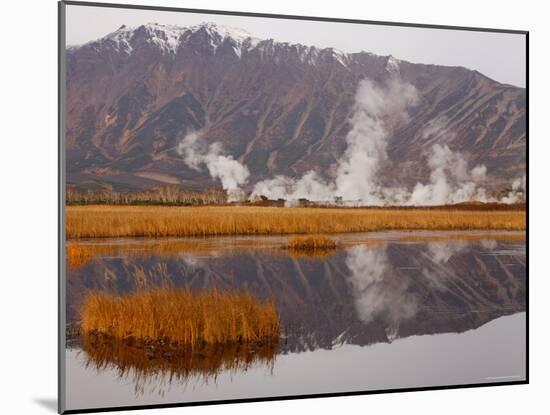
<point>223,31</point>
<point>169,37</point>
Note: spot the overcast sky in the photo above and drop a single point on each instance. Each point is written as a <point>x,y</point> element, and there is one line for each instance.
<point>499,56</point>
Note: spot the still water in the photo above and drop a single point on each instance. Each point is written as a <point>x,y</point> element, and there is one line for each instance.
<point>383,311</point>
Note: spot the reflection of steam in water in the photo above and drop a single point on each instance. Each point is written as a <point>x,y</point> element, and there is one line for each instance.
<point>488,244</point>
<point>196,260</point>
<point>441,251</point>
<point>389,294</point>
<point>191,261</point>
<point>379,291</point>
<point>153,369</point>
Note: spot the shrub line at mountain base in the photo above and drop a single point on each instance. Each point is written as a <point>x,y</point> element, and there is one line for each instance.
<point>104,221</point>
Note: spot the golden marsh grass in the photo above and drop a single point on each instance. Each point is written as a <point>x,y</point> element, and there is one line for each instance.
<point>181,316</point>
<point>311,243</point>
<point>162,221</point>
<point>311,246</point>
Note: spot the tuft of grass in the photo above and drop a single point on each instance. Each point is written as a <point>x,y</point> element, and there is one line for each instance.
<point>181,316</point>
<point>161,221</point>
<point>311,243</point>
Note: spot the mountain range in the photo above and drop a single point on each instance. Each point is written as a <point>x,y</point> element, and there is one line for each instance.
<point>279,108</point>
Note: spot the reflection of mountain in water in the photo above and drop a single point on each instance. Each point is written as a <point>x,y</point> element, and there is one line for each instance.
<point>361,295</point>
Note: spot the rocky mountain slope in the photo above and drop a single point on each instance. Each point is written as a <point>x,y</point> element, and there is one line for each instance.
<point>277,107</point>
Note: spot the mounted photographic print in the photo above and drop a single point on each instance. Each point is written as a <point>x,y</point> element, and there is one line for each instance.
<point>257,207</point>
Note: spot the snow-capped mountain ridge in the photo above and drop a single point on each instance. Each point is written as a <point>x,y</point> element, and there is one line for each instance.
<point>169,39</point>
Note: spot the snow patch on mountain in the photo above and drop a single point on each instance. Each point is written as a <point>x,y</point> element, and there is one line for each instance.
<point>240,36</point>
<point>392,65</point>
<point>170,38</point>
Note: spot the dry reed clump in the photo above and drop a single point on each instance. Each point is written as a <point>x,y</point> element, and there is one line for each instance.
<point>181,316</point>
<point>158,221</point>
<point>311,243</point>
<point>144,362</point>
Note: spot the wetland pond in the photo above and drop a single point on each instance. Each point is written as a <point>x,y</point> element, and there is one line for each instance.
<point>382,311</point>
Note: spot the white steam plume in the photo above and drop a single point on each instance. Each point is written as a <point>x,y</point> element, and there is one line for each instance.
<point>357,178</point>
<point>310,186</point>
<point>357,172</point>
<point>229,171</point>
<point>450,180</point>
<point>518,192</point>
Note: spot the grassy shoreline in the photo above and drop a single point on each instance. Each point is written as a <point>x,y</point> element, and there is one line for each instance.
<point>104,221</point>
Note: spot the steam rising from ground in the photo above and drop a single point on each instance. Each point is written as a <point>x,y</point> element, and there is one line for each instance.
<point>357,177</point>
<point>357,181</point>
<point>450,180</point>
<point>518,191</point>
<point>231,173</point>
